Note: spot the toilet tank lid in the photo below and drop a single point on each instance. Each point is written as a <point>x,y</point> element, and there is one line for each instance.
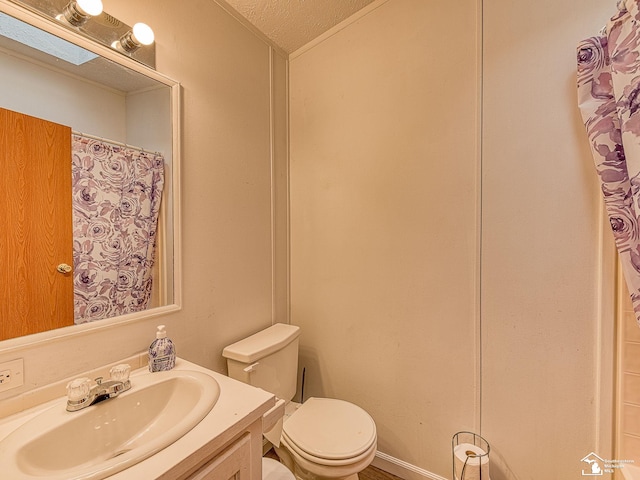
<point>261,344</point>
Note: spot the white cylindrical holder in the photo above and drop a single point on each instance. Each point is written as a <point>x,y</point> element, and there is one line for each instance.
<point>470,454</point>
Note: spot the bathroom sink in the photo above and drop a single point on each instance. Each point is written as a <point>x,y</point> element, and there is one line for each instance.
<point>110,436</point>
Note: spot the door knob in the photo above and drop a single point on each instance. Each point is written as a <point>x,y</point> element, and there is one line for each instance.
<point>64,268</point>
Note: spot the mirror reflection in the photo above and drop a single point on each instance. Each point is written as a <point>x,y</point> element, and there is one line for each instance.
<point>87,169</point>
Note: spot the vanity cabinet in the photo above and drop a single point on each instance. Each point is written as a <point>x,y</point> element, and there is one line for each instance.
<point>231,464</point>
<point>236,455</point>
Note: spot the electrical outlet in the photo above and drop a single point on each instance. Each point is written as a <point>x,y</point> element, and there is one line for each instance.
<point>11,374</point>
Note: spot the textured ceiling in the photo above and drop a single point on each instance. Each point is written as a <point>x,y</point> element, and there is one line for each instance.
<point>290,24</point>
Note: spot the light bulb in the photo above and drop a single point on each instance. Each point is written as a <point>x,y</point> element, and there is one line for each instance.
<point>143,34</point>
<point>92,8</point>
<point>77,12</point>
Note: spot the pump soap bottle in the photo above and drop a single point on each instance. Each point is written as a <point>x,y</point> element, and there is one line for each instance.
<point>162,353</point>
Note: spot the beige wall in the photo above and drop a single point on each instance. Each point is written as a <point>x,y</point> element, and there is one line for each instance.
<point>228,111</point>
<point>384,222</point>
<point>540,292</point>
<point>385,237</point>
<point>21,84</point>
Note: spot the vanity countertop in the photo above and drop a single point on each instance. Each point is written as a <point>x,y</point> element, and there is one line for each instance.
<point>237,407</point>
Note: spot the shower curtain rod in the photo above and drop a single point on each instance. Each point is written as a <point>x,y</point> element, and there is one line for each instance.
<point>113,142</point>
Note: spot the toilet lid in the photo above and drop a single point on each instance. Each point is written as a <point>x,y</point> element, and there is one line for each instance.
<point>330,429</point>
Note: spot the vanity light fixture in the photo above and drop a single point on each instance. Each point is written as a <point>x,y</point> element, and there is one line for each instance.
<point>140,35</point>
<point>77,12</point>
<point>136,43</point>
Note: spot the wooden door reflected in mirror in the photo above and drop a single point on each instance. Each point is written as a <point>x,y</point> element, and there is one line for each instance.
<point>36,227</point>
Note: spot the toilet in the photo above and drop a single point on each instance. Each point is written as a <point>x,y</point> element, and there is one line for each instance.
<point>323,438</point>
<point>272,470</point>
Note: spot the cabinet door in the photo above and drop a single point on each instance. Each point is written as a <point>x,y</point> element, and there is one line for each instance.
<point>232,464</point>
<point>36,234</point>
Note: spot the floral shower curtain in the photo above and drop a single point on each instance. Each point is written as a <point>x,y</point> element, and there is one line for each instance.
<point>116,201</point>
<point>609,98</point>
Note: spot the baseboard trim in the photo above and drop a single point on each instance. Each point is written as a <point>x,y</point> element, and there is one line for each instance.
<point>402,469</point>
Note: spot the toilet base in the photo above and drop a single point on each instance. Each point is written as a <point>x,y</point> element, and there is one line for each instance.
<point>302,474</point>
<point>315,477</point>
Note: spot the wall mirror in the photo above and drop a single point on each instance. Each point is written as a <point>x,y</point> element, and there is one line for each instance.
<point>54,74</point>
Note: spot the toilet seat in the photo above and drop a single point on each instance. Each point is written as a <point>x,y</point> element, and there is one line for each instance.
<point>330,432</point>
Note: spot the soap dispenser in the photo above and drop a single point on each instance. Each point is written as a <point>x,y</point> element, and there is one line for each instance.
<point>162,353</point>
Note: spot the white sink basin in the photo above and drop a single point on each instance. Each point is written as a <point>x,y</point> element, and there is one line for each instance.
<point>110,436</point>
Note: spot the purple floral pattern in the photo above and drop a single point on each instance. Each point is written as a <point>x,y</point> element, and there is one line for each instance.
<point>609,99</point>
<point>116,202</point>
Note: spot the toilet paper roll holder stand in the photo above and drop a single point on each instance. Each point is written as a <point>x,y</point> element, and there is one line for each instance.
<point>474,439</point>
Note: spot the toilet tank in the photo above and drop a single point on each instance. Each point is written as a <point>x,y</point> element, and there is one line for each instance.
<point>267,359</point>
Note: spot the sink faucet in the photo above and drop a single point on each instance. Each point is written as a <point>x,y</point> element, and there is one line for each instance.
<point>82,394</point>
